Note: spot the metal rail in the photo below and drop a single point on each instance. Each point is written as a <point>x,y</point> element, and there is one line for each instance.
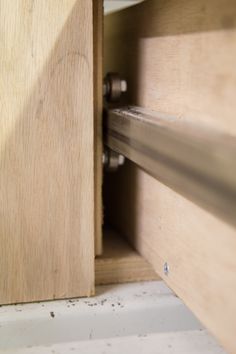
<point>195,161</point>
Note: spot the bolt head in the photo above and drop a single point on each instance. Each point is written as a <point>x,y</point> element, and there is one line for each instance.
<point>123,86</point>
<point>105,158</point>
<point>121,160</point>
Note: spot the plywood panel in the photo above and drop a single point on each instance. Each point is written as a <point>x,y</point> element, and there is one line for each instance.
<point>120,263</point>
<point>178,57</point>
<point>47,150</point>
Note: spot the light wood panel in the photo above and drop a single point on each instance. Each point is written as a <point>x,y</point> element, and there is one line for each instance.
<point>120,263</point>
<point>47,150</point>
<point>178,57</point>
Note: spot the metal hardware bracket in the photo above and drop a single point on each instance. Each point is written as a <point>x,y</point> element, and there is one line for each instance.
<point>113,88</point>
<point>195,161</point>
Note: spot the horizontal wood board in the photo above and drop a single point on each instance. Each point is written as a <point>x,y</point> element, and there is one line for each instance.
<point>120,263</point>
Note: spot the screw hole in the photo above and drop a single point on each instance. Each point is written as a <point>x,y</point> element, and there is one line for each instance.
<point>166,268</point>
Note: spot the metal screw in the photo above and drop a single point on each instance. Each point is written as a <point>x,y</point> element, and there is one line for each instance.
<point>121,160</point>
<point>104,158</point>
<point>123,86</point>
<point>112,160</point>
<point>113,87</point>
<point>166,268</point>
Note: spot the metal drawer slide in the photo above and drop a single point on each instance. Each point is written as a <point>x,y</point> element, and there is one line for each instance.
<point>195,161</point>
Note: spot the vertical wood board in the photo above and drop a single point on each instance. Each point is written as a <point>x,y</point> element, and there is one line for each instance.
<point>47,150</point>
<point>178,58</point>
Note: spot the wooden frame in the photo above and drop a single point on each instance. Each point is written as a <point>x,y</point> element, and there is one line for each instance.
<point>178,59</point>
<point>120,263</point>
<point>49,182</point>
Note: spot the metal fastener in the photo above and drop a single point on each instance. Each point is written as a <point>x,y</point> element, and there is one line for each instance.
<point>112,160</point>
<point>113,87</point>
<point>166,268</point>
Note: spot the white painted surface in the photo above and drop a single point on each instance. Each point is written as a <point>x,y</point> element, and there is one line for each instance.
<point>128,318</point>
<point>114,5</point>
<point>187,342</point>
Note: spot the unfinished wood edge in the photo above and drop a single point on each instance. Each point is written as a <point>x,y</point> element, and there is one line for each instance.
<point>123,271</point>
<point>98,106</point>
<point>120,263</point>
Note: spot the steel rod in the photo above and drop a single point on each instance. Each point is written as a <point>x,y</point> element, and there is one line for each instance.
<point>194,160</point>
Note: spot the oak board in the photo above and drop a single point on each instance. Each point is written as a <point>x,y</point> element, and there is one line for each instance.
<point>47,150</point>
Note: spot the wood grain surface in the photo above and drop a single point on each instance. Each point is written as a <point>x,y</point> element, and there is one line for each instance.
<point>47,150</point>
<point>179,59</point>
<point>120,263</point>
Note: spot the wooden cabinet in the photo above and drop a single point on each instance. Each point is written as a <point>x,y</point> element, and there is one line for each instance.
<point>178,58</point>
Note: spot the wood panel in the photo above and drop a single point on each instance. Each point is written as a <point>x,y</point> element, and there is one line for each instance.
<point>120,263</point>
<point>47,150</point>
<point>178,57</point>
